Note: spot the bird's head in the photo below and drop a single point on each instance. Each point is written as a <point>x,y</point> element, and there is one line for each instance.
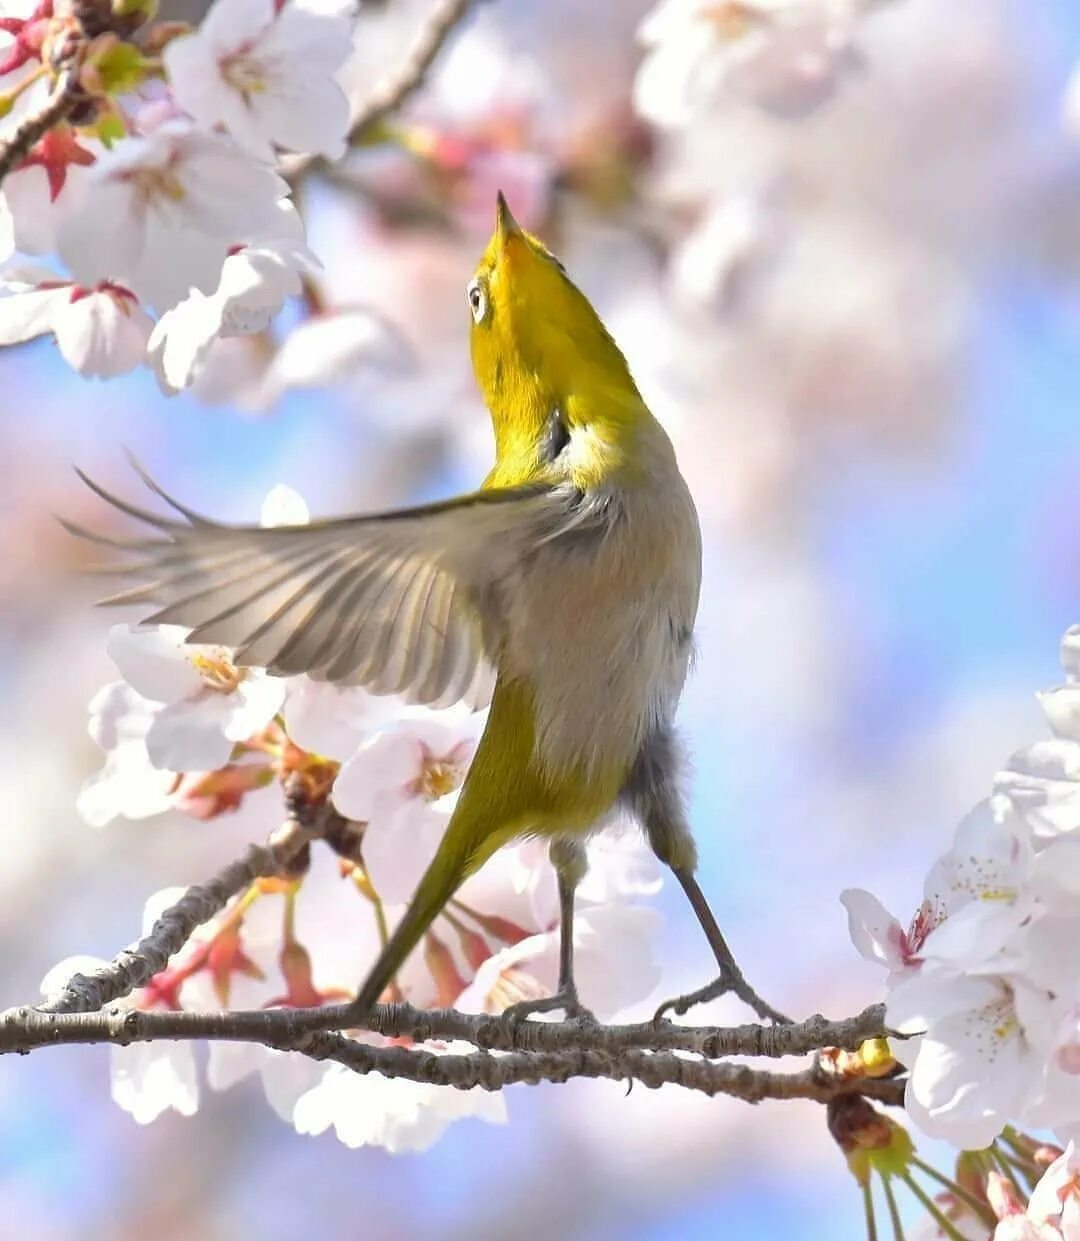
<point>537,344</point>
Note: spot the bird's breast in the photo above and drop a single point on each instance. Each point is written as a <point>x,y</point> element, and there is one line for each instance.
<point>601,627</point>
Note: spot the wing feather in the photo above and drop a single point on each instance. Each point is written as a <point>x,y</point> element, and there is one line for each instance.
<point>400,602</point>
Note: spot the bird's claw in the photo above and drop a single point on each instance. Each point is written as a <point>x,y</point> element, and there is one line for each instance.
<point>566,1000</point>
<point>728,982</point>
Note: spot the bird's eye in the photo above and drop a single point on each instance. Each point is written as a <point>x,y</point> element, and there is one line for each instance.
<point>477,300</point>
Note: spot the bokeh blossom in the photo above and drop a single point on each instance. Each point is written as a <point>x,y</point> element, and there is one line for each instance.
<point>985,983</point>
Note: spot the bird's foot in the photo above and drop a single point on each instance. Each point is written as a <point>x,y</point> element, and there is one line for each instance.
<point>730,981</point>
<point>565,1000</point>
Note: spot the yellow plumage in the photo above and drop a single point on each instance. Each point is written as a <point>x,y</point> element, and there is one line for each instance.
<point>568,586</point>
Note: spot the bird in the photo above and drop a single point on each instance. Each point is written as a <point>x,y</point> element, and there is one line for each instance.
<point>562,593</point>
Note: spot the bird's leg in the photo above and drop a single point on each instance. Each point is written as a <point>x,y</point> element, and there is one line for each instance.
<point>568,857</point>
<point>730,978</point>
<point>653,796</point>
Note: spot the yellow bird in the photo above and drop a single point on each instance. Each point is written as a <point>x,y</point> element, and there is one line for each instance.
<point>563,592</point>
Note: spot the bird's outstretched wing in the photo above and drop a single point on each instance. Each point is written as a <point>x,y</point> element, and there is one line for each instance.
<point>402,602</point>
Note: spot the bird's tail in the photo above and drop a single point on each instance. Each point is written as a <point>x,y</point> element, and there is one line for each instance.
<point>454,861</point>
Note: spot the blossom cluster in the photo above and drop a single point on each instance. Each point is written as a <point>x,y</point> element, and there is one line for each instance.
<point>159,197</point>
<point>186,729</point>
<point>1051,1212</point>
<point>172,233</point>
<point>985,980</point>
<point>785,56</point>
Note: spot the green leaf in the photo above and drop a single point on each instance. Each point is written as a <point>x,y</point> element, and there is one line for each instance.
<point>109,129</point>
<point>118,68</point>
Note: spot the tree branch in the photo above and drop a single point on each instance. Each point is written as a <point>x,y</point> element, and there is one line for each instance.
<point>134,966</point>
<point>23,1029</point>
<point>653,1053</point>
<point>392,91</point>
<point>492,1071</point>
<point>31,130</point>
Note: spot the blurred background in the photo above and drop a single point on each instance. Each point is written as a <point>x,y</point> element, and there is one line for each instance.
<point>861,328</point>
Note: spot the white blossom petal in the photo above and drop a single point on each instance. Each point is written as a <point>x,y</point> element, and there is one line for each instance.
<point>267,75</point>
<point>155,661</point>
<point>190,736</point>
<point>101,334</point>
<point>149,1079</point>
<point>335,719</point>
<point>371,1110</point>
<point>26,312</point>
<point>876,934</point>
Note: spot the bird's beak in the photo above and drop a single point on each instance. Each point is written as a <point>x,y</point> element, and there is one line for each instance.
<point>505,224</point>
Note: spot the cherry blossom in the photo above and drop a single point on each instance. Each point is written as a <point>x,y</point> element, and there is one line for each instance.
<point>128,784</point>
<point>399,1115</point>
<point>783,55</point>
<point>332,347</point>
<point>147,1079</point>
<point>960,1219</point>
<point>1020,1228</point>
<point>615,965</point>
<point>255,283</point>
<point>362,1110</point>
<point>399,783</point>
<point>974,899</point>
<point>620,868</point>
<point>283,506</point>
<point>1015,1222</point>
<point>1043,783</point>
<point>46,186</point>
<point>265,72</point>
<point>32,214</point>
<point>282,944</point>
<point>976,1064</point>
<point>333,720</point>
<point>290,974</point>
<point>1057,1195</point>
<point>236,372</point>
<point>207,704</point>
<point>985,981</point>
<point>100,331</point>
<point>712,264</point>
<point>1043,779</point>
<point>7,231</point>
<point>161,212</point>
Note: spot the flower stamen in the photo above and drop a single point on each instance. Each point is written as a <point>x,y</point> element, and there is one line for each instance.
<point>217,670</point>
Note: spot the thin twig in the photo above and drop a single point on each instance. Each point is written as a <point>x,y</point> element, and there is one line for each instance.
<point>392,91</point>
<point>134,966</point>
<point>34,127</point>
